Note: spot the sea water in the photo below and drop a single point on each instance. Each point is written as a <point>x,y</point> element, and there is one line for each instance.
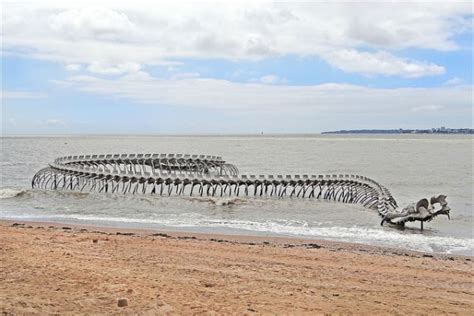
<point>410,166</point>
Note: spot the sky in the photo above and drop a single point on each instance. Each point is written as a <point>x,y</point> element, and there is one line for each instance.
<point>231,67</point>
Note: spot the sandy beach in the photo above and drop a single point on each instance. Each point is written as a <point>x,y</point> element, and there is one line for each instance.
<point>50,268</point>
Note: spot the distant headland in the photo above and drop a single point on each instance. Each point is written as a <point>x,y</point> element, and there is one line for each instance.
<point>437,130</point>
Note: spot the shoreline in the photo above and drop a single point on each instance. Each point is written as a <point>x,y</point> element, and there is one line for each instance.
<point>55,268</point>
<point>285,241</point>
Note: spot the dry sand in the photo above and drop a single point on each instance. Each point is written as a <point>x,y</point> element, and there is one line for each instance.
<point>48,270</point>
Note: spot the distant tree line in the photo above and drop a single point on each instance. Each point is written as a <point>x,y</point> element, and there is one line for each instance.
<point>440,130</point>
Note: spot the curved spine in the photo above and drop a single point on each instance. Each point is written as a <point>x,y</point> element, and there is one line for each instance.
<point>175,174</point>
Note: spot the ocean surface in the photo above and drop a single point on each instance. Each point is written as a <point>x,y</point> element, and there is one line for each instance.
<point>410,166</point>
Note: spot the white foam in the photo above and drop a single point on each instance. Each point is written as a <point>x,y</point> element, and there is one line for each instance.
<point>8,193</point>
<point>356,234</point>
<point>383,236</point>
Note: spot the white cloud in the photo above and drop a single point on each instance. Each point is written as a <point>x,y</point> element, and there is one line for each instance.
<point>8,94</point>
<point>185,75</point>
<point>381,63</point>
<point>453,81</point>
<point>106,37</point>
<point>271,79</point>
<point>91,23</point>
<point>73,67</point>
<point>256,97</point>
<point>117,69</point>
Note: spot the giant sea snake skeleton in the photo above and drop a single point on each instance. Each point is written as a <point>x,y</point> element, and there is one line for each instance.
<point>176,174</point>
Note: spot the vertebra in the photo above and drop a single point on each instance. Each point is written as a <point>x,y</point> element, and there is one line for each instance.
<point>175,174</point>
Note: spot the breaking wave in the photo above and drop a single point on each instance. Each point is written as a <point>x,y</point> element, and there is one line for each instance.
<point>8,193</point>
<point>295,228</point>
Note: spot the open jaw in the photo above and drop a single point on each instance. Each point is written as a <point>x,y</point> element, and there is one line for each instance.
<point>423,211</point>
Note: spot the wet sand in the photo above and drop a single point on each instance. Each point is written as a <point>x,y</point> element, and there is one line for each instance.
<point>50,268</point>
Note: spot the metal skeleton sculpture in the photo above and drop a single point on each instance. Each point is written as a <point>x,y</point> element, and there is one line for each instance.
<point>175,174</point>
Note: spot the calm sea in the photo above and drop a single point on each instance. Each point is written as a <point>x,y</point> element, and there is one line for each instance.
<point>411,166</point>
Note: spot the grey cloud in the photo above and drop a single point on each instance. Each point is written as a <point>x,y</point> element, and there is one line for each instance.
<point>139,33</point>
<point>238,97</point>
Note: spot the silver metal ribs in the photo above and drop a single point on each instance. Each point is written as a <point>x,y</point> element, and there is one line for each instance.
<point>201,175</point>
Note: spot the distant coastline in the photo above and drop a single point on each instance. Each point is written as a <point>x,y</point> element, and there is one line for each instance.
<point>440,130</point>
